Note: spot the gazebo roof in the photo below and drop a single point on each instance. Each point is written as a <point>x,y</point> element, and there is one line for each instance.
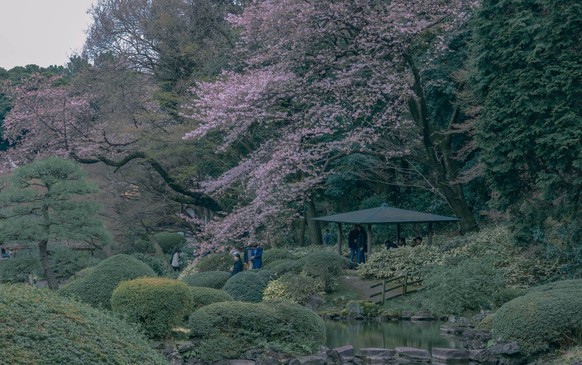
<point>385,214</point>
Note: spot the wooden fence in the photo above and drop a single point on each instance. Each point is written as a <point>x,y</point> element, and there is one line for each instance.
<point>402,286</point>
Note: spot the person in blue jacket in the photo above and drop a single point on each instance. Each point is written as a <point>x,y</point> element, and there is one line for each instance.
<point>257,256</point>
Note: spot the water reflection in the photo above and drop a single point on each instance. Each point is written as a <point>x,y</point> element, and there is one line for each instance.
<point>362,334</point>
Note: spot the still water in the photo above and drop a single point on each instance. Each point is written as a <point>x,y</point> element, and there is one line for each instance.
<point>363,334</point>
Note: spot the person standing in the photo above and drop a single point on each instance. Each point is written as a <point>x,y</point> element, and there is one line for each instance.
<point>257,256</point>
<point>353,245</point>
<point>175,261</point>
<point>327,237</point>
<point>237,266</point>
<point>362,241</point>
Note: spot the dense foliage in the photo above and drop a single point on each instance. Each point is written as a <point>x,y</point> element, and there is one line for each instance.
<point>202,296</point>
<point>226,330</point>
<point>246,286</point>
<point>38,327</point>
<point>519,267</point>
<point>169,241</point>
<point>544,318</point>
<point>324,266</point>
<point>528,76</point>
<point>47,201</point>
<point>209,279</point>
<point>294,288</point>
<point>213,262</point>
<point>156,304</point>
<point>97,286</point>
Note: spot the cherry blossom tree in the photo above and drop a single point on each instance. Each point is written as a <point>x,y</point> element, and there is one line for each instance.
<point>315,82</point>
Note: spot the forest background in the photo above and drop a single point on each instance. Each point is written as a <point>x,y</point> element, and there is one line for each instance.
<point>238,121</point>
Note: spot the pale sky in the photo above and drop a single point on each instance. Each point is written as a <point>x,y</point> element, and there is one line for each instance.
<point>42,32</point>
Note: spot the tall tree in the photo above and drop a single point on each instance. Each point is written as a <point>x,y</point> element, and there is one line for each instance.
<point>42,203</point>
<point>528,75</point>
<point>318,81</point>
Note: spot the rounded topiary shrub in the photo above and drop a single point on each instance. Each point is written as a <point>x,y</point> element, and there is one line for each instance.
<point>265,274</point>
<point>38,327</point>
<point>169,241</point>
<point>294,288</point>
<point>280,267</point>
<point>160,265</point>
<point>543,318</point>
<point>96,287</point>
<point>227,330</point>
<point>221,261</point>
<point>326,266</point>
<point>208,279</point>
<point>275,254</point>
<point>157,304</point>
<point>202,296</point>
<point>246,286</point>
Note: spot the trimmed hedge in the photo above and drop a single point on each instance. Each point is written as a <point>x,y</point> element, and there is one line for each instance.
<point>38,327</point>
<point>202,296</point>
<point>281,267</point>
<point>227,330</point>
<point>295,288</point>
<point>208,279</point>
<point>275,254</point>
<point>214,262</point>
<point>160,265</point>
<point>543,318</point>
<point>156,304</point>
<point>246,286</point>
<point>169,241</point>
<point>326,266</point>
<point>96,287</point>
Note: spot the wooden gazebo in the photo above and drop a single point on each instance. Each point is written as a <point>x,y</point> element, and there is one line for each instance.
<point>384,214</point>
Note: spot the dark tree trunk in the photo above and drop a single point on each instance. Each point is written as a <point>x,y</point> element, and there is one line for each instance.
<point>44,259</point>
<point>313,227</point>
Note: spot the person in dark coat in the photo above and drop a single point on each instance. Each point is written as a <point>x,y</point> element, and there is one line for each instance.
<point>257,256</point>
<point>362,241</point>
<point>238,265</point>
<point>353,245</point>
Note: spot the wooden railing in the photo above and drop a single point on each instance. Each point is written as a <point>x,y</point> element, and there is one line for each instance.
<point>404,284</point>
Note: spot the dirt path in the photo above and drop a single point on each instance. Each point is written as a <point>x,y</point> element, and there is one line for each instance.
<point>360,286</point>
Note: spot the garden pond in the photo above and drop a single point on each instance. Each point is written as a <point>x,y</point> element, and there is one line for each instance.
<point>364,334</point>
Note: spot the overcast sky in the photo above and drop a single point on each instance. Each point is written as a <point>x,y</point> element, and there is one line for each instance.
<point>41,32</point>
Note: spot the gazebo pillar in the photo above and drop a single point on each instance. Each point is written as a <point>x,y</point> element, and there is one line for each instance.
<point>398,234</point>
<point>339,238</point>
<point>430,233</point>
<point>370,239</point>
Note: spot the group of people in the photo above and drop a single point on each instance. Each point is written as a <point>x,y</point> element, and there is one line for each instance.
<point>416,241</point>
<point>252,258</point>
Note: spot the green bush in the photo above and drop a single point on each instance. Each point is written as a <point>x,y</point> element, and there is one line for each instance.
<point>215,262</point>
<point>17,269</point>
<point>275,254</point>
<point>202,296</point>
<point>96,287</point>
<point>208,279</point>
<point>226,330</point>
<point>246,286</point>
<point>295,288</point>
<point>521,268</point>
<point>38,327</point>
<point>266,275</point>
<point>281,267</point>
<point>544,318</point>
<point>160,265</point>
<point>456,287</point>
<point>156,304</point>
<point>64,261</point>
<point>326,266</point>
<point>169,241</point>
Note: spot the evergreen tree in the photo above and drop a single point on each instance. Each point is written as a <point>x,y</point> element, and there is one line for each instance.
<point>529,77</point>
<point>42,203</point>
